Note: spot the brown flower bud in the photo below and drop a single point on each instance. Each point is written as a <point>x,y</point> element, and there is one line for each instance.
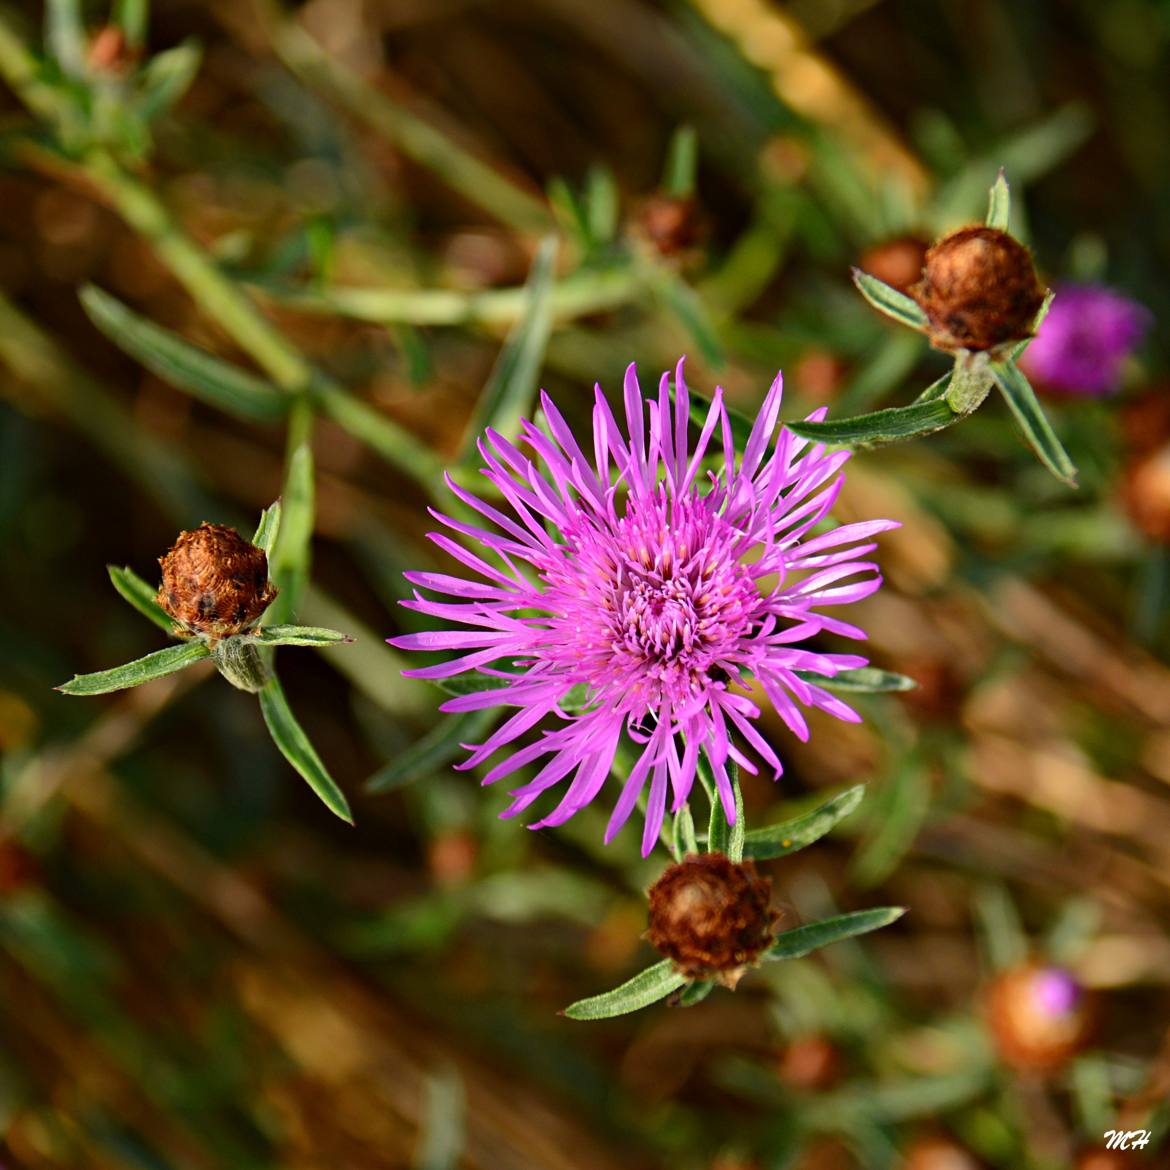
<point>109,52</point>
<point>979,290</point>
<point>896,262</point>
<point>671,224</point>
<point>1038,1016</point>
<point>1145,491</point>
<point>809,1062</point>
<point>712,917</point>
<point>215,582</point>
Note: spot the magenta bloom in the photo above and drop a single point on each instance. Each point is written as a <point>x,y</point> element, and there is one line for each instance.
<point>654,587</point>
<point>1083,342</point>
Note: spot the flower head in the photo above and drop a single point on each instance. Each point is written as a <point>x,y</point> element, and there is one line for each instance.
<point>633,595</point>
<point>1083,342</point>
<point>979,290</point>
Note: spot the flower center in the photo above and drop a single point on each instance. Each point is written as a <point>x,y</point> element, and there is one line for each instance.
<point>658,617</point>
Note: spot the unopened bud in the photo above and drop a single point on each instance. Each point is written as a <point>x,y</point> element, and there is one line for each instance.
<point>979,290</point>
<point>810,1063</point>
<point>1038,1015</point>
<point>110,53</point>
<point>1146,494</point>
<point>215,582</point>
<point>896,262</point>
<point>671,225</point>
<point>712,917</point>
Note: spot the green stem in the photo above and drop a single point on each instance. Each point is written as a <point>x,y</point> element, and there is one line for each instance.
<point>239,661</point>
<point>970,383</point>
<point>578,295</point>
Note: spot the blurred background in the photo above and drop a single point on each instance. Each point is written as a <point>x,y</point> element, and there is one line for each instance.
<point>200,967</point>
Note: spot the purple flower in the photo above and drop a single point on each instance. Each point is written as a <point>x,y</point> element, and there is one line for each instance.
<point>1083,342</point>
<point>630,593</point>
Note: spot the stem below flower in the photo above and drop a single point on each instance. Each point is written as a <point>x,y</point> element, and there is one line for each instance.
<point>238,660</point>
<point>970,384</point>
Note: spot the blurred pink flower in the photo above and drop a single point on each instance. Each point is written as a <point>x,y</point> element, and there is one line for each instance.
<point>1083,342</point>
<point>652,586</point>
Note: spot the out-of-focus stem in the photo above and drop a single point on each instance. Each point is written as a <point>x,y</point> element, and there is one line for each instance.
<point>576,296</point>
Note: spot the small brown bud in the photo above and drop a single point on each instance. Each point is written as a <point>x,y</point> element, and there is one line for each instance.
<point>1145,491</point>
<point>979,290</point>
<point>712,916</point>
<point>1038,1016</point>
<point>671,224</point>
<point>809,1062</point>
<point>109,52</point>
<point>896,262</point>
<point>215,582</point>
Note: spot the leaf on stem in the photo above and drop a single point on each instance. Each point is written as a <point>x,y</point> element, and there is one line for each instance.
<point>132,588</point>
<point>134,674</point>
<point>183,365</point>
<point>896,424</point>
<point>282,635</point>
<point>294,745</point>
<point>803,940</point>
<point>678,175</point>
<point>1032,421</point>
<point>865,680</point>
<point>723,836</point>
<point>645,988</point>
<point>789,836</point>
<point>999,204</point>
<point>268,529</point>
<point>898,306</point>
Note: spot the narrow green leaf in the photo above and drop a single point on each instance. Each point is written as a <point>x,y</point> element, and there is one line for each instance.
<point>268,529</point>
<point>65,35</point>
<point>181,364</point>
<point>294,745</point>
<point>722,836</point>
<point>433,752</point>
<point>865,680</point>
<point>645,988</point>
<point>896,424</point>
<point>134,674</point>
<point>903,309</point>
<point>289,563</point>
<point>999,204</point>
<point>1032,422</point>
<point>283,635</point>
<point>678,176</point>
<point>789,836</point>
<point>167,76</point>
<point>131,17</point>
<point>601,203</point>
<point>694,993</point>
<point>511,386</point>
<point>803,940</point>
<point>682,835</point>
<point>132,588</point>
<point>1049,296</point>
